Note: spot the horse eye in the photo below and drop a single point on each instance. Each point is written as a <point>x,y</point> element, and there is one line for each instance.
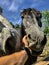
<point>29,36</point>
<point>37,18</point>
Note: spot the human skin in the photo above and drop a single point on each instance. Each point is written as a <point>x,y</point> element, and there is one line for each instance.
<point>18,58</point>
<point>24,40</point>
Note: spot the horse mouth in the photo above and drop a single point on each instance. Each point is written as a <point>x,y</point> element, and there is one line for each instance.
<point>34,45</point>
<point>10,45</point>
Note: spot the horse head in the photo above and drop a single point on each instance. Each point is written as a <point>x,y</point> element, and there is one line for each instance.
<point>31,26</point>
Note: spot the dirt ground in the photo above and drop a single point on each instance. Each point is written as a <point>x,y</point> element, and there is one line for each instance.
<point>43,61</point>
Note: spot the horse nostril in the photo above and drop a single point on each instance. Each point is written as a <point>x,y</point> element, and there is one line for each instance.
<point>33,40</point>
<point>29,36</point>
<point>22,17</point>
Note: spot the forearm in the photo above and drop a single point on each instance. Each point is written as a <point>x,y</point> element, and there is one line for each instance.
<point>18,58</point>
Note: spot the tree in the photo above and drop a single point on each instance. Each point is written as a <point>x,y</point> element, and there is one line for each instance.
<point>17,26</point>
<point>1,11</point>
<point>45,21</point>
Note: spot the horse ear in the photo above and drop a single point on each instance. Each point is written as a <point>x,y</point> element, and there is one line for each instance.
<point>37,13</point>
<point>22,13</point>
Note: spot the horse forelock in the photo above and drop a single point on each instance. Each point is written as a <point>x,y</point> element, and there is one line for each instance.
<point>29,10</point>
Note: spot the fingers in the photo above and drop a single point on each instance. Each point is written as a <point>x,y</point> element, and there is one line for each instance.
<point>24,40</point>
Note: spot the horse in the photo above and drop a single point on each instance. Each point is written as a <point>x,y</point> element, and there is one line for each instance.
<point>31,27</point>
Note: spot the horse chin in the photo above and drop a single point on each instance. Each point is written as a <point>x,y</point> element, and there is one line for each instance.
<point>31,44</point>
<point>36,47</point>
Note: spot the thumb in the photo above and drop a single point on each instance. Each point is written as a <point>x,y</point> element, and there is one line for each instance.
<point>24,40</point>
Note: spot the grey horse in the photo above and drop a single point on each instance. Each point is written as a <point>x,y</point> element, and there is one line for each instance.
<point>31,26</point>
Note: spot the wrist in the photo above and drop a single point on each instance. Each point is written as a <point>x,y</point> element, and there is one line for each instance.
<point>28,50</point>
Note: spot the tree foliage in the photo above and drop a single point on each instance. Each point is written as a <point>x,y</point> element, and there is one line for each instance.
<point>1,10</point>
<point>17,26</point>
<point>45,21</point>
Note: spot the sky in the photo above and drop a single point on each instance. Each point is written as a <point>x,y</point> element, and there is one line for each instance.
<point>12,8</point>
